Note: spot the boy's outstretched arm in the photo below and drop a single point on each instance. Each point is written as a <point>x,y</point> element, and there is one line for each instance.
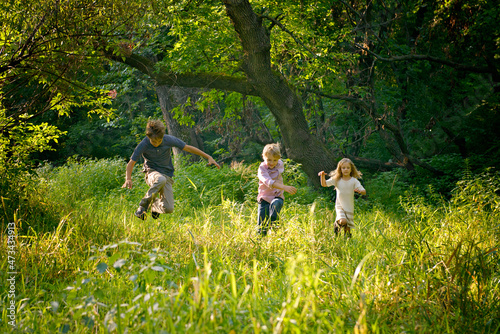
<point>197,151</point>
<point>128,175</point>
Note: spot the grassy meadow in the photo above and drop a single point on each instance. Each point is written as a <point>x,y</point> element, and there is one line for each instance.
<point>86,264</point>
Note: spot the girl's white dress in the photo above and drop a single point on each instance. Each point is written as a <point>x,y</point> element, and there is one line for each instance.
<point>344,204</point>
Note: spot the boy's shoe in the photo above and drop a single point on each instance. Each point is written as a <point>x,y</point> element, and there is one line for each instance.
<point>155,215</point>
<point>140,213</point>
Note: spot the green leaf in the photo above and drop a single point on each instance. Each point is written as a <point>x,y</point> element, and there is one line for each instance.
<point>102,267</point>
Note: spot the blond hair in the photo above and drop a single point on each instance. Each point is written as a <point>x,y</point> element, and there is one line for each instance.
<point>272,150</point>
<point>337,173</point>
<point>155,129</point>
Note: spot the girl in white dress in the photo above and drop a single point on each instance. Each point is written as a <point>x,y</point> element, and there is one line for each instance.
<point>345,179</point>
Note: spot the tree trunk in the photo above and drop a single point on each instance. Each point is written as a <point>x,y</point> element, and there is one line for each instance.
<point>166,106</point>
<point>169,97</point>
<point>283,103</point>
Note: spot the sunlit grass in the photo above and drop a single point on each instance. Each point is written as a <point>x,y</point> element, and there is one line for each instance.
<point>425,268</point>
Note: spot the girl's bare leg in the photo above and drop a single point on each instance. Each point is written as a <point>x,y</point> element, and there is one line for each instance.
<point>347,231</point>
<point>343,225</point>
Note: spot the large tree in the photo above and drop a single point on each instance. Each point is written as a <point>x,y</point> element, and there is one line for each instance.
<point>288,51</point>
<point>372,59</point>
<point>255,76</point>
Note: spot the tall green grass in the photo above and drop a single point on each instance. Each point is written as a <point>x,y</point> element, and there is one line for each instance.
<point>417,267</point>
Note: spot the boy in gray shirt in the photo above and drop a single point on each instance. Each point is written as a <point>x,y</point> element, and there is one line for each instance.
<point>155,148</point>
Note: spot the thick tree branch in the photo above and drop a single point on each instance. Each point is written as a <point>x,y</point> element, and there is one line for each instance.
<point>374,164</point>
<point>415,57</point>
<point>195,80</point>
<point>425,165</point>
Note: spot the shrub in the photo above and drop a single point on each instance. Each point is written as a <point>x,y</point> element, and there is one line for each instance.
<point>80,180</point>
<point>23,201</point>
<point>384,189</point>
<point>199,184</point>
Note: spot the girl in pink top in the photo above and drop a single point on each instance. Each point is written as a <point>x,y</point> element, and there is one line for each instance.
<point>271,188</point>
<point>345,179</point>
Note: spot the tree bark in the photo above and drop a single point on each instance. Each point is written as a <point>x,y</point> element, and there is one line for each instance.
<point>169,97</point>
<point>283,103</point>
<point>166,105</point>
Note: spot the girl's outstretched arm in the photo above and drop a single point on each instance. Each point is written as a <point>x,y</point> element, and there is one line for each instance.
<point>322,178</point>
<point>360,191</point>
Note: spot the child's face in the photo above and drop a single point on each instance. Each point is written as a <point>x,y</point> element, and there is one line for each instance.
<point>156,141</point>
<point>271,160</point>
<point>346,169</point>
